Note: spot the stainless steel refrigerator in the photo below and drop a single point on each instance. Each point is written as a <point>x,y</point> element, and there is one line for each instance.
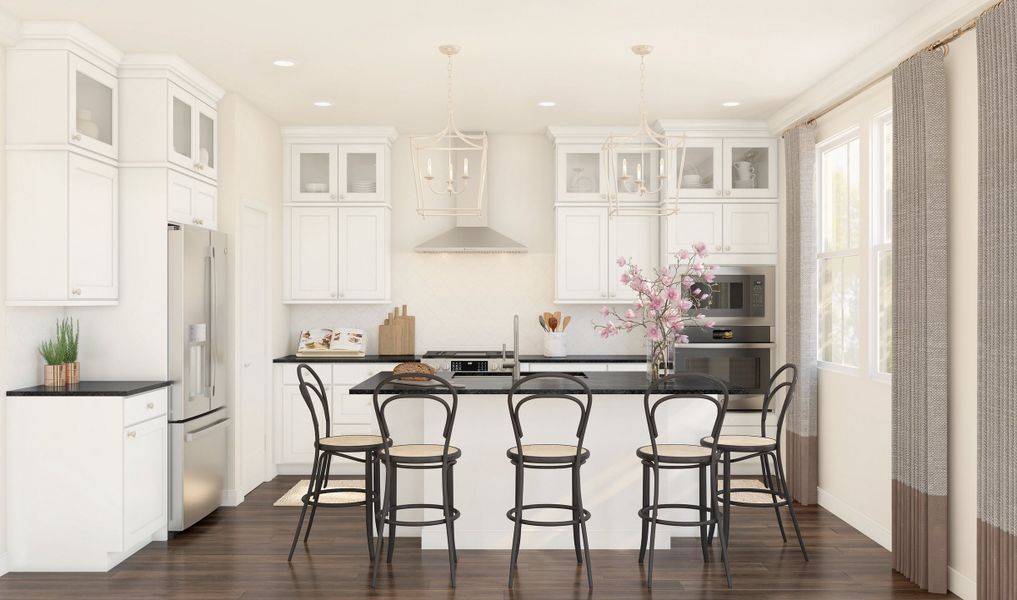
<point>198,420</point>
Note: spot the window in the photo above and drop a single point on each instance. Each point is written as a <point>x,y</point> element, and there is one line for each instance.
<point>839,260</point>
<point>882,238</point>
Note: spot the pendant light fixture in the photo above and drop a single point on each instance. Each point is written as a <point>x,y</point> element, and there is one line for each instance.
<point>645,167</point>
<point>450,167</point>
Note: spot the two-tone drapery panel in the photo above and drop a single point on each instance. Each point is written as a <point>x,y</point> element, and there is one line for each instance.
<point>920,353</point>
<point>996,33</point>
<point>803,419</point>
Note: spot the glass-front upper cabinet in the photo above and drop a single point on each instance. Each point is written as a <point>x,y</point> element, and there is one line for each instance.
<point>208,143</point>
<point>703,173</point>
<point>750,168</point>
<point>314,175</point>
<point>193,140</point>
<point>639,176</point>
<point>93,108</point>
<point>361,176</point>
<point>580,173</point>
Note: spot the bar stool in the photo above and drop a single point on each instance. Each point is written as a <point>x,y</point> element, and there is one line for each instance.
<point>767,449</point>
<point>550,456</point>
<point>328,446</point>
<point>705,456</point>
<point>418,456</point>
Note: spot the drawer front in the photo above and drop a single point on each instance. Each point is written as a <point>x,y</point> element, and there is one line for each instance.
<point>349,375</point>
<point>323,370</point>
<point>144,407</point>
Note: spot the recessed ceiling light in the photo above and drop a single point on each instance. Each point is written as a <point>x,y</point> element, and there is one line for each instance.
<point>547,104</point>
<point>731,104</point>
<point>283,63</point>
<point>323,103</point>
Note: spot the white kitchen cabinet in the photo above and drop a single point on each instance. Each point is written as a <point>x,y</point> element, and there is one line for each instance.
<point>725,228</point>
<point>582,253</point>
<point>92,232</point>
<point>750,168</point>
<point>93,110</point>
<point>703,173</point>
<point>695,223</point>
<point>636,237</point>
<point>363,252</point>
<point>580,174</point>
<point>362,172</point>
<point>314,173</point>
<point>192,136</point>
<point>312,242</point>
<point>297,443</point>
<point>191,201</point>
<point>118,471</point>
<point>750,228</point>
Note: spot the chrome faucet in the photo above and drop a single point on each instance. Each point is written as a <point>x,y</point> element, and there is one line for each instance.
<point>515,350</point>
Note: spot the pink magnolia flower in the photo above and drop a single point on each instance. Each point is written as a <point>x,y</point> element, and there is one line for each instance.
<point>696,292</point>
<point>709,277</point>
<point>638,303</point>
<point>684,304</point>
<point>699,268</point>
<point>711,324</point>
<point>656,302</point>
<point>604,311</point>
<point>673,294</point>
<point>682,339</point>
<point>653,333</point>
<point>628,326</point>
<point>625,278</point>
<point>700,317</point>
<point>687,281</point>
<point>683,254</point>
<point>666,278</point>
<point>609,330</point>
<point>621,261</point>
<point>700,248</point>
<point>652,314</point>
<point>629,314</point>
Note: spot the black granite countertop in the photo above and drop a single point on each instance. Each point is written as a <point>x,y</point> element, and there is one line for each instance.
<point>370,358</point>
<point>584,358</point>
<point>599,383</point>
<point>93,388</point>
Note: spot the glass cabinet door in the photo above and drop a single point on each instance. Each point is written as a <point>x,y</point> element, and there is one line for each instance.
<point>207,142</point>
<point>93,108</point>
<point>750,168</point>
<point>703,174</point>
<point>361,178</point>
<point>580,174</point>
<point>314,173</point>
<point>182,111</point>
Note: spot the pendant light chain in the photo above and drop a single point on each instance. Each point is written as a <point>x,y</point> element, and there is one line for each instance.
<point>449,99</point>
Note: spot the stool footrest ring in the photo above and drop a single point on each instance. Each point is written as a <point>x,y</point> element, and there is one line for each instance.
<point>313,498</point>
<point>511,514</point>
<point>644,513</point>
<point>389,520</point>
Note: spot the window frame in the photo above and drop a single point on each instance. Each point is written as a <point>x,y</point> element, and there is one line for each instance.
<point>877,234</point>
<point>844,137</point>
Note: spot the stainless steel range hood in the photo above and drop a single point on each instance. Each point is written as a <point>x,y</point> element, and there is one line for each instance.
<point>471,239</point>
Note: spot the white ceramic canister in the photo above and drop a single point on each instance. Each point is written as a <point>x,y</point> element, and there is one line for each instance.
<point>554,344</point>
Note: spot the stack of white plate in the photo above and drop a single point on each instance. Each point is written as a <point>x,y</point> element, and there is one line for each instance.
<point>363,186</point>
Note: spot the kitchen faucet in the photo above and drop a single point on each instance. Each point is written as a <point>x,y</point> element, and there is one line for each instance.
<point>515,350</point>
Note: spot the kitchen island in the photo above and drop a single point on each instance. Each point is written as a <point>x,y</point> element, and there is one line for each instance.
<point>484,477</point>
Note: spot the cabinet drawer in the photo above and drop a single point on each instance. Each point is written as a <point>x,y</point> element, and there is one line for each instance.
<point>144,406</point>
<point>324,371</point>
<point>346,374</point>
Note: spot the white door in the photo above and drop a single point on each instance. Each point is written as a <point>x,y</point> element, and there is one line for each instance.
<point>361,173</point>
<point>145,493</point>
<point>580,174</point>
<point>92,107</point>
<point>750,168</point>
<point>582,253</point>
<point>182,115</point>
<point>206,205</point>
<point>253,348</point>
<point>313,246</point>
<point>363,253</point>
<point>206,138</point>
<point>696,223</point>
<point>750,228</point>
<point>92,230</point>
<point>180,204</point>
<point>634,237</point>
<point>314,173</point>
<point>703,173</point>
<point>297,428</point>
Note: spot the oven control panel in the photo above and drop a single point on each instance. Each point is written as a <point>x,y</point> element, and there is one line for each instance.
<point>757,296</point>
<point>469,366</point>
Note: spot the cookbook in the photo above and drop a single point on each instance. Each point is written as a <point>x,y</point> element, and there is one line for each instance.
<point>338,342</point>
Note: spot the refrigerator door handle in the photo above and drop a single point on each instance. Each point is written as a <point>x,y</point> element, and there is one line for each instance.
<point>213,303</point>
<point>207,430</point>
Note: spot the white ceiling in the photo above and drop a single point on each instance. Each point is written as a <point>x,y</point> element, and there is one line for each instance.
<point>376,60</point>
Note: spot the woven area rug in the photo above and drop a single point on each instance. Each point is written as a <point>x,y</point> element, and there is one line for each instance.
<point>754,497</point>
<point>292,497</point>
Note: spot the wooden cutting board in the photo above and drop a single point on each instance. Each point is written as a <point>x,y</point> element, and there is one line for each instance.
<point>397,335</point>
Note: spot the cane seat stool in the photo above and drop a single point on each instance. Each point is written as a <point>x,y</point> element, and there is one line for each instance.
<point>358,448</point>
<point>417,456</point>
<point>767,450</point>
<point>550,456</point>
<point>654,457</point>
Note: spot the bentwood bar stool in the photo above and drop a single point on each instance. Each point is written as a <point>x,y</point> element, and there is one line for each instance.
<point>767,449</point>
<point>550,456</point>
<point>343,446</point>
<point>418,456</point>
<point>702,457</point>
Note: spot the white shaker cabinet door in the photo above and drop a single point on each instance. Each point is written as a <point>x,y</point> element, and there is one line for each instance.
<point>206,205</point>
<point>634,237</point>
<point>695,223</point>
<point>363,253</point>
<point>313,253</point>
<point>183,114</point>
<point>297,443</point>
<point>750,228</point>
<point>145,493</point>
<point>181,200</point>
<point>314,173</point>
<point>92,230</point>
<point>582,240</point>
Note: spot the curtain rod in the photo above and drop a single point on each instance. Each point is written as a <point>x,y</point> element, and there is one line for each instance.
<point>942,43</point>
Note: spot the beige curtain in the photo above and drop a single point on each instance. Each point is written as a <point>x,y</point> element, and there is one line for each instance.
<point>920,389</point>
<point>997,308</point>
<point>802,420</point>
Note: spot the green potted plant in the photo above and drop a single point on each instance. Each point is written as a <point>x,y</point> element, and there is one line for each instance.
<point>67,333</point>
<point>53,353</point>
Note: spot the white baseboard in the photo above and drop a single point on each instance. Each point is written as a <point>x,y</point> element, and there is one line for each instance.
<point>961,585</point>
<point>863,523</point>
<point>3,564</point>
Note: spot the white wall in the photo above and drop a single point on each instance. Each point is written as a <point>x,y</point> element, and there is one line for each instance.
<point>3,313</point>
<point>466,301</point>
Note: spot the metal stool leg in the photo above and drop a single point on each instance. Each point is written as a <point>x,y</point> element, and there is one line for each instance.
<point>653,524</point>
<point>716,517</point>
<point>389,471</point>
<point>790,503</point>
<point>391,512</point>
<point>303,511</point>
<point>321,484</point>
<point>702,513</point>
<point>646,502</point>
<point>582,527</point>
<point>727,496</point>
<point>764,458</point>
<point>369,514</point>
<point>452,504</point>
<point>517,529</point>
<point>447,510</point>
<point>576,518</point>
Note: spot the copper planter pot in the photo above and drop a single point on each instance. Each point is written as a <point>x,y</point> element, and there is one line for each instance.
<point>55,376</point>
<point>72,372</point>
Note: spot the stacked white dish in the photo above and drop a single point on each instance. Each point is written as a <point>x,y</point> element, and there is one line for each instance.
<point>362,186</point>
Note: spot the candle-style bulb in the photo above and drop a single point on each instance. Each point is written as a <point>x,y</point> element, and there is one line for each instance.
<point>466,168</point>
<point>639,171</point>
<point>451,172</point>
<point>625,167</point>
<point>429,168</point>
<point>661,168</point>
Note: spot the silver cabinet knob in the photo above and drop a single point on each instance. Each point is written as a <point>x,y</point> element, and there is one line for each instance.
<point>194,221</point>
<point>150,405</point>
<point>342,196</point>
<point>719,248</point>
<point>719,193</point>
<point>727,192</point>
<point>342,294</point>
<point>332,294</point>
<point>76,291</point>
<point>727,248</point>
<point>332,196</point>
<point>131,434</point>
<point>76,137</point>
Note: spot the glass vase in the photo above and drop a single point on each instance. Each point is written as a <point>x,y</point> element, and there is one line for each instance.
<point>659,359</point>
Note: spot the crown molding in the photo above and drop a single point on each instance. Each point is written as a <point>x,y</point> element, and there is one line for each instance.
<point>351,134</point>
<point>10,29</point>
<point>71,36</point>
<point>690,127</point>
<point>171,66</point>
<point>918,31</point>
<point>586,134</point>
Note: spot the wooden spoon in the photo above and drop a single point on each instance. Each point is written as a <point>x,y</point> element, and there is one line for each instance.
<point>557,315</point>
<point>553,323</point>
<point>547,319</point>
<point>565,323</point>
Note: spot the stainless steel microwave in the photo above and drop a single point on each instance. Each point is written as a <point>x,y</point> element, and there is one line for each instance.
<point>744,295</point>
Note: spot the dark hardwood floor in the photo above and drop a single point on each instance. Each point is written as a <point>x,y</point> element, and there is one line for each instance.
<point>241,553</point>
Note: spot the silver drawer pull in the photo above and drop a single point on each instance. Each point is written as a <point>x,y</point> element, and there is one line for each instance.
<point>76,137</point>
<point>131,434</point>
<point>150,405</point>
